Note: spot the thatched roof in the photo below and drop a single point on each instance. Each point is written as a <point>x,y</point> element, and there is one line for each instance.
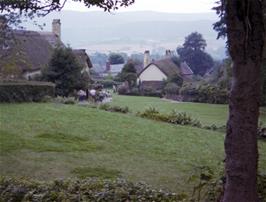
<point>171,68</point>
<point>185,69</point>
<point>83,58</point>
<point>168,67</point>
<point>29,52</point>
<point>52,38</point>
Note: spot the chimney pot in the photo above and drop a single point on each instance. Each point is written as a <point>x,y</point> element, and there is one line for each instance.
<point>56,28</point>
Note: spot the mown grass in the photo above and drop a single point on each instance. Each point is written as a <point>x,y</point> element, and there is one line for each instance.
<point>208,114</point>
<point>104,173</point>
<point>48,141</point>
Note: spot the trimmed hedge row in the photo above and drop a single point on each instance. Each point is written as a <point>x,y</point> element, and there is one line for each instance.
<point>25,91</point>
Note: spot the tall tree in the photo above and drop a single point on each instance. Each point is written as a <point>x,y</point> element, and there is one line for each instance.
<point>129,74</point>
<point>244,24</point>
<point>195,41</point>
<point>193,53</point>
<point>115,58</point>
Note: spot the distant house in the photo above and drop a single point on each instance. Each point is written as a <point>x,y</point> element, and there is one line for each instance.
<point>113,69</point>
<point>156,72</point>
<point>31,52</point>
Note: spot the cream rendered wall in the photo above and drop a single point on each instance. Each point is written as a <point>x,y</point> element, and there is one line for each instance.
<point>29,75</point>
<point>152,73</point>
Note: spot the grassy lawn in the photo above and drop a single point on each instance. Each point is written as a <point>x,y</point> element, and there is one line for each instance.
<point>208,114</point>
<point>48,141</point>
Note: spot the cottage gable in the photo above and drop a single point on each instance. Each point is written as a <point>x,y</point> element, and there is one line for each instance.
<point>152,73</point>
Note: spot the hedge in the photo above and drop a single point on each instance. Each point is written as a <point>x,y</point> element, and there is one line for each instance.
<point>25,91</point>
<point>90,190</point>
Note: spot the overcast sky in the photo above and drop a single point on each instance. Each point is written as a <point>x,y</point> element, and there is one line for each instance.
<point>173,6</point>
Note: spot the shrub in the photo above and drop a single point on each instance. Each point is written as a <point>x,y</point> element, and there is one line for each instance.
<point>107,83</point>
<point>209,185</point>
<point>25,91</point>
<point>90,190</point>
<point>151,92</point>
<point>107,107</point>
<point>205,94</point>
<point>176,79</point>
<point>122,90</point>
<point>171,88</point>
<point>178,118</point>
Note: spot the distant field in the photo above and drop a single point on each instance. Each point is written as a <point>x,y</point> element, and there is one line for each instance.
<point>48,141</point>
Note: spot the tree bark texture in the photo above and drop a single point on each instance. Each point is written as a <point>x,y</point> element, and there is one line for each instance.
<point>246,39</point>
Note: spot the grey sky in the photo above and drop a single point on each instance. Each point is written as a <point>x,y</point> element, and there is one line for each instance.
<point>175,6</point>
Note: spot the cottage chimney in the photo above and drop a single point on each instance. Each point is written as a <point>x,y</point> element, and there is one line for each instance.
<point>168,53</point>
<point>56,27</point>
<point>147,58</point>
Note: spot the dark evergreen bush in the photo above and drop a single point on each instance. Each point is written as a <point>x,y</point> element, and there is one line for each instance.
<point>25,91</point>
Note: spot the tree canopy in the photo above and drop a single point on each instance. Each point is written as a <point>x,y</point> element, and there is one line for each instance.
<point>115,58</point>
<point>195,41</point>
<point>193,53</point>
<point>47,6</point>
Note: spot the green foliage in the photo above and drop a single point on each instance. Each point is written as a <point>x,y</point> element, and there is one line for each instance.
<point>178,80</point>
<point>107,83</point>
<point>33,8</point>
<point>193,53</point>
<point>151,92</point>
<point>261,183</point>
<point>171,88</point>
<point>208,186</point>
<point>25,91</point>
<point>65,71</point>
<point>204,93</point>
<point>129,74</point>
<point>177,118</point>
<point>115,58</point>
<point>195,41</point>
<point>110,108</point>
<point>122,90</point>
<point>89,190</point>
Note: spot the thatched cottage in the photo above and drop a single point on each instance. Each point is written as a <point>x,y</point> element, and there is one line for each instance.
<point>155,73</point>
<point>31,51</point>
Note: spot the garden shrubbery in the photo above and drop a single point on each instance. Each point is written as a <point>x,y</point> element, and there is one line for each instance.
<point>171,89</point>
<point>90,189</point>
<point>151,92</point>
<point>107,107</point>
<point>25,91</point>
<point>107,83</point>
<point>204,93</point>
<point>179,118</point>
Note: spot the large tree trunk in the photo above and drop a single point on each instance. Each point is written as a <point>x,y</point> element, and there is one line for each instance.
<point>245,36</point>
